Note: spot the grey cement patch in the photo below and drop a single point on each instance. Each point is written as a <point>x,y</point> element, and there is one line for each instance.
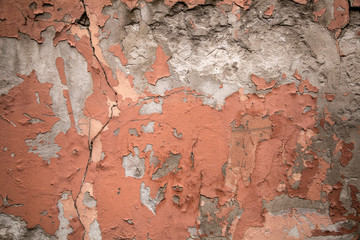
<point>283,43</point>
<point>150,108</point>
<point>133,131</point>
<point>11,227</point>
<point>116,132</point>
<point>193,232</point>
<point>16,229</point>
<point>95,232</point>
<point>294,232</point>
<point>283,202</point>
<point>153,159</point>
<point>64,225</point>
<point>176,134</point>
<point>211,222</point>
<point>149,128</point>
<point>343,237</point>
<point>133,165</point>
<point>25,55</point>
<point>89,201</point>
<point>170,164</point>
<point>149,202</point>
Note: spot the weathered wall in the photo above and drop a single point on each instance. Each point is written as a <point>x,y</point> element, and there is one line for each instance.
<point>202,119</point>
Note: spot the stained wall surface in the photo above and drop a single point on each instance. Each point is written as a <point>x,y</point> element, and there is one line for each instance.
<point>194,119</point>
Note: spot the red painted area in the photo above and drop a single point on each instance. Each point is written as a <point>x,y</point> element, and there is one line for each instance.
<point>117,51</point>
<point>306,84</point>
<point>269,10</point>
<point>341,14</point>
<point>297,75</point>
<point>257,147</point>
<point>330,97</point>
<point>29,180</point>
<point>261,84</point>
<point>160,67</point>
<point>19,17</point>
<point>61,69</point>
<point>319,13</point>
<point>346,152</point>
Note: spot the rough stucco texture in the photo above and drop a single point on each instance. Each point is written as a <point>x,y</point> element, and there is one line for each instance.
<point>132,119</point>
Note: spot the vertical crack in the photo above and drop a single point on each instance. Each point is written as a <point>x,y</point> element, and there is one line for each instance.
<point>192,152</point>
<point>77,211</point>
<point>88,163</point>
<point>85,21</point>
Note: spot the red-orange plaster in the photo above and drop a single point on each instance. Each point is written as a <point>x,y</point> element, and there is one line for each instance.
<point>117,51</point>
<point>261,84</point>
<point>160,67</point>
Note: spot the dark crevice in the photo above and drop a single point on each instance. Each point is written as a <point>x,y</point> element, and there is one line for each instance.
<point>84,20</point>
<point>192,153</point>
<point>94,53</point>
<point>47,5</point>
<point>77,211</point>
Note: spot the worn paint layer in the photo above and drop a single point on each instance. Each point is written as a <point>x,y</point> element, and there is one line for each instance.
<point>233,119</point>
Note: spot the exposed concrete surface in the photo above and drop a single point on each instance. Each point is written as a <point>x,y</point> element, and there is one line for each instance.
<point>14,228</point>
<point>231,119</point>
<point>149,202</point>
<point>133,165</point>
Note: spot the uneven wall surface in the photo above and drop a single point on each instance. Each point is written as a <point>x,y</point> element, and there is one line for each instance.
<point>202,119</point>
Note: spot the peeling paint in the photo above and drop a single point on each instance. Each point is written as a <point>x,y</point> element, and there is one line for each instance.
<point>233,119</point>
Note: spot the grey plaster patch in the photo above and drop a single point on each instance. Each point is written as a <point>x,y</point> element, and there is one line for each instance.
<point>103,155</point>
<point>324,50</point>
<point>138,43</point>
<point>176,134</point>
<point>95,232</point>
<point>176,199</point>
<point>45,144</point>
<point>133,131</point>
<point>283,43</point>
<point>164,84</point>
<point>16,229</point>
<point>170,164</point>
<point>348,44</point>
<point>11,227</point>
<point>343,237</point>
<point>25,55</point>
<point>193,232</point>
<point>350,48</point>
<point>33,120</point>
<point>89,201</point>
<point>64,226</point>
<point>210,220</point>
<point>152,107</point>
<point>149,202</point>
<point>284,202</point>
<point>116,132</point>
<point>294,232</point>
<point>133,165</point>
<point>79,82</point>
<point>149,128</point>
<point>153,159</point>
<point>38,234</point>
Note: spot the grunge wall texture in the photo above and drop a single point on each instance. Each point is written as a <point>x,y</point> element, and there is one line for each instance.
<point>202,119</point>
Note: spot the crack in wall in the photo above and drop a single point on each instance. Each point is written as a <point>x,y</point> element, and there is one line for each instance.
<point>261,163</point>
